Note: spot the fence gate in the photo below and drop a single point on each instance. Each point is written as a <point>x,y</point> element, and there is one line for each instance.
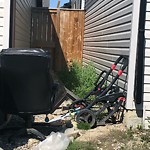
<point>61,32</point>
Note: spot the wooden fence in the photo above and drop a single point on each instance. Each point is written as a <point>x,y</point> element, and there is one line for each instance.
<point>61,32</point>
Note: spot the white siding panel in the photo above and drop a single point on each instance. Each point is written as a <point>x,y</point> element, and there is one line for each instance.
<point>147,34</point>
<point>147,79</point>
<point>147,52</point>
<point>1,30</point>
<point>147,61</point>
<point>147,43</point>
<point>1,21</point>
<point>147,88</point>
<point>1,12</point>
<point>147,70</point>
<point>146,98</point>
<point>147,16</point>
<point>1,3</point>
<point>148,7</point>
<point>1,40</point>
<point>147,24</point>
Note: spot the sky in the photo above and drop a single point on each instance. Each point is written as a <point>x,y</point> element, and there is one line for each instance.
<point>53,3</point>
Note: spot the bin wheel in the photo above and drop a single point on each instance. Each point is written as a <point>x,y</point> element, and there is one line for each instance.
<point>86,116</point>
<point>4,119</point>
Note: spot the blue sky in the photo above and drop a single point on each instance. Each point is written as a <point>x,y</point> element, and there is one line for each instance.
<point>53,3</point>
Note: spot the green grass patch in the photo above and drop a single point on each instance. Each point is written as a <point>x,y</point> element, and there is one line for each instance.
<point>83,125</point>
<point>77,145</point>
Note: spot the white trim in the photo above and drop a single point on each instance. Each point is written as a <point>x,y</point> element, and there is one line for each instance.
<point>6,23</point>
<point>82,4</point>
<point>132,55</point>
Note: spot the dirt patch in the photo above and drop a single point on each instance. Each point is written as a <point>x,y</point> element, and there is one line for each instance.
<point>109,137</point>
<point>100,131</point>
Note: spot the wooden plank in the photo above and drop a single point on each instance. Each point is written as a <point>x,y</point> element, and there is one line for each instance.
<point>64,29</point>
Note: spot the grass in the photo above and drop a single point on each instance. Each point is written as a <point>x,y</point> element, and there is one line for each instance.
<point>77,145</point>
<point>117,140</point>
<point>83,126</point>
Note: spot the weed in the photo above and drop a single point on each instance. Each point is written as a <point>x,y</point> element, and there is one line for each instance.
<point>83,125</point>
<point>139,127</point>
<point>76,145</point>
<point>79,79</point>
<point>145,137</point>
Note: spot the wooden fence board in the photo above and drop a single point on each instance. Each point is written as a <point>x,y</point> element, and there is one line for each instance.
<point>60,31</point>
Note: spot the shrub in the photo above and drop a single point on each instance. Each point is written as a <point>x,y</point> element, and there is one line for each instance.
<point>79,79</point>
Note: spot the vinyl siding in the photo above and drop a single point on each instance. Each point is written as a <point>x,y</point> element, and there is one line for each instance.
<point>23,23</point>
<point>147,67</point>
<point>4,24</point>
<point>76,4</point>
<point>107,33</point>
<point>1,23</point>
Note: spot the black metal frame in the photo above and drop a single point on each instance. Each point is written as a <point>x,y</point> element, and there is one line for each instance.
<point>108,96</point>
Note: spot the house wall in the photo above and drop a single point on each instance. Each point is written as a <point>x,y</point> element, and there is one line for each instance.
<point>76,4</point>
<point>146,99</point>
<point>23,23</point>
<point>107,32</point>
<point>4,24</point>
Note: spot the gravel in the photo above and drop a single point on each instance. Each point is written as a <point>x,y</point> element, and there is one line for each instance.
<point>28,142</point>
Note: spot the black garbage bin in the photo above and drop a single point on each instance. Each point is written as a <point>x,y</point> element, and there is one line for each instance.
<point>26,83</point>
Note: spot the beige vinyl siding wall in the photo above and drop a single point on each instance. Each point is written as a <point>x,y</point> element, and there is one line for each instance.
<point>107,33</point>
<point>146,103</point>
<point>23,23</point>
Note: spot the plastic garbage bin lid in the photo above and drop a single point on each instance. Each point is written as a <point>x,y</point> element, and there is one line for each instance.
<point>30,51</point>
